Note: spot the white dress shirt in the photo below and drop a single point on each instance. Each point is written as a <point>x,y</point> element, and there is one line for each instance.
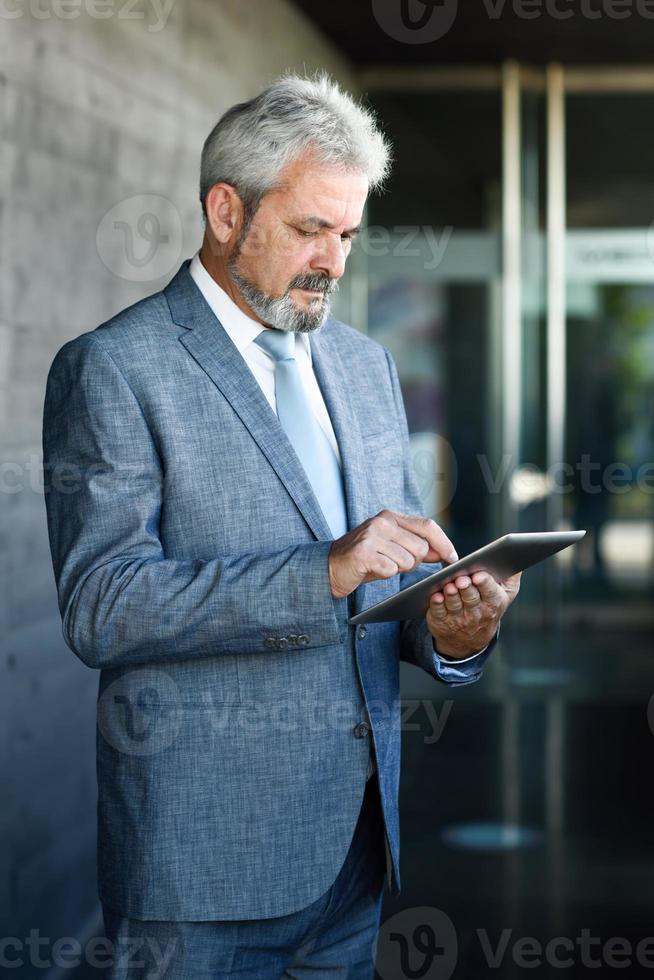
<point>243,330</point>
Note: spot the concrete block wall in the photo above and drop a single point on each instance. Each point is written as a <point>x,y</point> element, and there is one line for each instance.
<point>103,111</point>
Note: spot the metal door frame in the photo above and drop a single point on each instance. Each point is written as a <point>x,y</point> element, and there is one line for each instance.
<point>511,80</point>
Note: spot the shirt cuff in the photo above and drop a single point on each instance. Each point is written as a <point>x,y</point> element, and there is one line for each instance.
<point>463,671</point>
<point>454,660</point>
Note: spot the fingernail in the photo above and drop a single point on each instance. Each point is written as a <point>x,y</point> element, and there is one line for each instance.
<point>452,556</point>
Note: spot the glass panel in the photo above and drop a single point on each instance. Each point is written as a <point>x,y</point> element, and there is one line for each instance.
<point>610,439</point>
<point>610,160</point>
<point>433,272</point>
<point>610,358</point>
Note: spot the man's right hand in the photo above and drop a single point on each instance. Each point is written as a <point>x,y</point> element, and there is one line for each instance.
<point>384,545</point>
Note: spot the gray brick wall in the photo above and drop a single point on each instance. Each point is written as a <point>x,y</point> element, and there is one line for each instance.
<point>93,112</point>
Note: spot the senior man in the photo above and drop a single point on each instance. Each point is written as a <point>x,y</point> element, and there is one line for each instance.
<point>239,483</point>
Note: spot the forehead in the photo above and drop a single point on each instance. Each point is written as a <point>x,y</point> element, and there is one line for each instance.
<point>309,189</point>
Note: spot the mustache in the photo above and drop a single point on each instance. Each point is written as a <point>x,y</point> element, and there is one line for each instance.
<point>323,283</point>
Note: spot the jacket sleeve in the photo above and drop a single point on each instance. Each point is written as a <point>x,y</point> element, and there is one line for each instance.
<point>121,600</point>
<point>416,642</point>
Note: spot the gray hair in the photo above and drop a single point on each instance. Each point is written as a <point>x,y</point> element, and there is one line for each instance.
<point>252,142</point>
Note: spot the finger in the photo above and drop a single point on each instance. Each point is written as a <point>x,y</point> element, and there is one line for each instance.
<point>440,546</point>
<point>413,543</point>
<point>470,596</point>
<point>488,587</point>
<point>512,585</point>
<point>437,605</point>
<point>404,559</point>
<point>453,603</point>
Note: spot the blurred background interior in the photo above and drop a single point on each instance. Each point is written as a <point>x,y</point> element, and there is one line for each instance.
<point>510,270</point>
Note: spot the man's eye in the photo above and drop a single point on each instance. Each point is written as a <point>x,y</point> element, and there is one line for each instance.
<point>306,234</point>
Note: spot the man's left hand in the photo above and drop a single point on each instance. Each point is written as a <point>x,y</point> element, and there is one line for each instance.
<point>464,617</point>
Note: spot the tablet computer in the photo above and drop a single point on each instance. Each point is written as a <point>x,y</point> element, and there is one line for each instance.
<point>502,558</point>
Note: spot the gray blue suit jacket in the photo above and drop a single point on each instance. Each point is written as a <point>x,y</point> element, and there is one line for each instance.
<point>190,558</point>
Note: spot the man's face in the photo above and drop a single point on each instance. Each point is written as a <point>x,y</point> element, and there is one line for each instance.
<point>295,250</point>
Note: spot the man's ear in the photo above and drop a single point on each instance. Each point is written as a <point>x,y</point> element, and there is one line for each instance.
<point>224,212</point>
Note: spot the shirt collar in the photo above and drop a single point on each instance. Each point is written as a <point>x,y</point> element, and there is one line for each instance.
<point>242,329</point>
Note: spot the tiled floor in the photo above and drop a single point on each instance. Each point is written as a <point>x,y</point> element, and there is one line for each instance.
<point>555,740</point>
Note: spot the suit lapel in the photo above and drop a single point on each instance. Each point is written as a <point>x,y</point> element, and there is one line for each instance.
<point>330,372</point>
<point>210,345</point>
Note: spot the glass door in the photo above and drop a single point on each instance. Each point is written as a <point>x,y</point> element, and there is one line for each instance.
<point>521,316</point>
<point>432,259</point>
<point>510,270</point>
<point>578,344</point>
<point>609,432</point>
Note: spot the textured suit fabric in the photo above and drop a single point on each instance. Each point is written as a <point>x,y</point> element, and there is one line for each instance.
<point>335,936</point>
<point>191,564</point>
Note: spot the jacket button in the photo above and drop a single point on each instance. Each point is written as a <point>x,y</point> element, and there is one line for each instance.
<point>282,643</point>
<point>361,632</point>
<point>361,730</point>
<point>270,642</point>
<point>303,639</point>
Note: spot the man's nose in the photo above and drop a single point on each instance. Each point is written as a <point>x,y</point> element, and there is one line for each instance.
<point>331,257</point>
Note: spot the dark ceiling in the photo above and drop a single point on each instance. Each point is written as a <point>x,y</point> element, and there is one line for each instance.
<point>485,32</point>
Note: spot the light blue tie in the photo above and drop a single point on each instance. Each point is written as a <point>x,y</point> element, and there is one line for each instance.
<point>307,437</point>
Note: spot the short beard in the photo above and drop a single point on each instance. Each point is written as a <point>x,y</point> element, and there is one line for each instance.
<point>281,312</point>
